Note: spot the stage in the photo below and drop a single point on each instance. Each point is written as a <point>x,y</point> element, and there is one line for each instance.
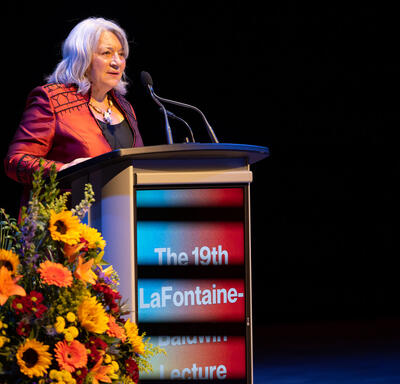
<point>318,86</point>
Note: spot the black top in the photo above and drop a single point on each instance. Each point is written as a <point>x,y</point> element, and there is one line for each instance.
<point>117,135</point>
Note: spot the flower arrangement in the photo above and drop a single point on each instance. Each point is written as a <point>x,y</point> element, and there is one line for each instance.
<point>62,319</point>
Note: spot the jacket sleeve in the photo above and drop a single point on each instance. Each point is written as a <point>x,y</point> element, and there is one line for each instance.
<point>33,139</point>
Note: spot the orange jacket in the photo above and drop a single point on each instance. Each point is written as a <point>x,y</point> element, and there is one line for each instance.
<point>58,126</point>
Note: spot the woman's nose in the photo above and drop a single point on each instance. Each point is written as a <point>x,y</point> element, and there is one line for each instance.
<point>116,60</point>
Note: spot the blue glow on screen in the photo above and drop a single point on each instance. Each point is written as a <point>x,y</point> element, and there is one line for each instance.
<point>155,198</point>
<point>150,235</point>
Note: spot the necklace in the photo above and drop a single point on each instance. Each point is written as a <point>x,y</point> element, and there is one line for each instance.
<point>106,114</point>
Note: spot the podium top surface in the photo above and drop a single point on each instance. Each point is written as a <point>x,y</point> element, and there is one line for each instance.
<point>251,153</point>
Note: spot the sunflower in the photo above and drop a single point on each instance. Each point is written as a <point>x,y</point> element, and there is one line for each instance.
<point>70,356</point>
<point>33,358</point>
<point>8,286</point>
<point>9,260</point>
<point>133,337</point>
<point>92,316</point>
<point>55,274</point>
<point>92,237</point>
<point>65,227</point>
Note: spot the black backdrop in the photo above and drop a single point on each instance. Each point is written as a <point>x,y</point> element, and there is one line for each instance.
<point>315,83</point>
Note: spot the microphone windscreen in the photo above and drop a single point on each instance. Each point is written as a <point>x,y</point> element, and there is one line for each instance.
<point>146,79</point>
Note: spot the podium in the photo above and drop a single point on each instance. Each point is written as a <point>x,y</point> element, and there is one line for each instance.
<point>176,220</point>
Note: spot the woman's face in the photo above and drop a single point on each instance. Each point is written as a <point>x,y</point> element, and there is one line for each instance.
<point>108,64</point>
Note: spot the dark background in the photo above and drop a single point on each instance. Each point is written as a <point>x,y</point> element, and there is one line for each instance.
<point>317,84</point>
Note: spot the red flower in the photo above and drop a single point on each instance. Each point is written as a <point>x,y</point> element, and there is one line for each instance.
<point>38,310</point>
<point>80,374</point>
<point>97,348</point>
<point>132,369</point>
<point>85,248</point>
<point>110,296</point>
<point>22,304</point>
<point>35,297</point>
<point>23,328</point>
<point>30,303</point>
<point>99,343</point>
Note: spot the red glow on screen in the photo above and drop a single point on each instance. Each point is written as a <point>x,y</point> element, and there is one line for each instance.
<point>199,357</point>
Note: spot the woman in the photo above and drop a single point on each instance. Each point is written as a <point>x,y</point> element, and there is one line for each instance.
<point>81,112</point>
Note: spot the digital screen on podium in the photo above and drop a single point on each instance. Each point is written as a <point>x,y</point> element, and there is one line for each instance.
<point>191,281</point>
<point>172,300</point>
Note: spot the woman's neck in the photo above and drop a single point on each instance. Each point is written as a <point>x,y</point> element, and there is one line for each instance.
<point>99,96</point>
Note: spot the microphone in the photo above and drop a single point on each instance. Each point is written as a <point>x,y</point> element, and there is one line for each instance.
<point>149,82</point>
<point>170,114</point>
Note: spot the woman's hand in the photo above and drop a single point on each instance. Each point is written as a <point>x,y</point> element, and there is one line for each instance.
<point>74,162</point>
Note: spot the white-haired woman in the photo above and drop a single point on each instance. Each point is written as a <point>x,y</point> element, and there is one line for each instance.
<point>81,112</point>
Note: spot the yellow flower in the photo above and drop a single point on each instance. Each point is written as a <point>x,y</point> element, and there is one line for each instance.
<point>84,271</point>
<point>71,333</point>
<point>134,339</point>
<point>66,375</point>
<point>3,340</point>
<point>92,316</point>
<point>71,317</point>
<point>65,227</point>
<point>8,286</point>
<point>68,337</point>
<point>92,237</point>
<point>9,260</point>
<point>115,366</point>
<point>53,374</point>
<point>33,358</point>
<point>108,271</point>
<point>60,324</point>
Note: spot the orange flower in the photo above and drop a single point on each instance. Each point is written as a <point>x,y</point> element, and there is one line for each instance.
<point>55,274</point>
<point>100,372</point>
<point>70,356</point>
<point>71,251</point>
<point>84,271</point>
<point>8,286</point>
<point>115,330</point>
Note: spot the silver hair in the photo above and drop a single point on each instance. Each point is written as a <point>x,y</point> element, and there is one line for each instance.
<point>77,53</point>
